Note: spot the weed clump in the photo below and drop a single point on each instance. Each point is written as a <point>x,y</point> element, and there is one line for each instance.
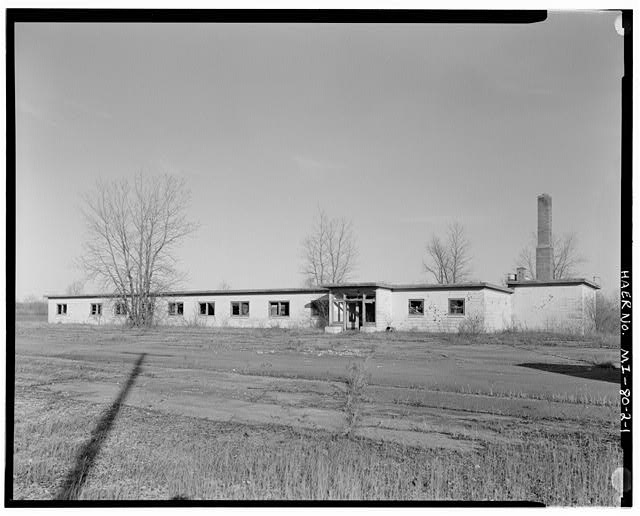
<point>471,326</point>
<point>357,380</point>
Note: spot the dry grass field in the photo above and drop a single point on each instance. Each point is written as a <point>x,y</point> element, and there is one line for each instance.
<point>113,413</point>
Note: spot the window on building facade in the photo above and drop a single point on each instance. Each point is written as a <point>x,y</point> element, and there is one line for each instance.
<point>279,308</point>
<point>176,308</point>
<point>416,306</point>
<point>315,309</point>
<point>207,309</point>
<point>120,308</point>
<point>370,312</point>
<point>96,308</point>
<point>456,306</point>
<point>240,308</point>
<point>61,309</point>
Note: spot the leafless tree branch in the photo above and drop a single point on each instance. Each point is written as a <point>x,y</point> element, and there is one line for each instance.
<point>329,252</point>
<point>75,288</point>
<point>448,260</point>
<point>133,228</point>
<point>566,257</point>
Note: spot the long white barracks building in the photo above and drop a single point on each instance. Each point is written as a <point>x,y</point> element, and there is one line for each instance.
<point>541,304</point>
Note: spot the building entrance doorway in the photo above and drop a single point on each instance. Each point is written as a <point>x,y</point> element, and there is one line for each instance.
<point>352,309</point>
<point>353,315</point>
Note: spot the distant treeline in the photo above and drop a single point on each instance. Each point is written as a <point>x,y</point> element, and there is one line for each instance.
<point>32,307</point>
<point>607,313</point>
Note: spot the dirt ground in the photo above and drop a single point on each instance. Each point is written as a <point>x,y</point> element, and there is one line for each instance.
<point>422,390</point>
<point>419,387</point>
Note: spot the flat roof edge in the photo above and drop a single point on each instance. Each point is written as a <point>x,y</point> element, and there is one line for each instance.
<point>370,284</point>
<point>191,293</point>
<point>422,286</point>
<point>555,282</point>
<point>455,286</point>
<point>315,290</point>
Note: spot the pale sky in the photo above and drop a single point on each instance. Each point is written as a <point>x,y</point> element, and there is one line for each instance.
<point>400,128</point>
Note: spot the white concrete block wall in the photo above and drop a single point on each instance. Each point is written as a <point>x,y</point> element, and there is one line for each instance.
<point>588,306</point>
<point>551,307</point>
<point>384,308</point>
<point>497,310</point>
<point>259,316</point>
<point>436,316</point>
<point>79,310</point>
<point>534,307</point>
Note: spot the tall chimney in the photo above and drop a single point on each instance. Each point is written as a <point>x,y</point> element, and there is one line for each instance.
<point>544,251</point>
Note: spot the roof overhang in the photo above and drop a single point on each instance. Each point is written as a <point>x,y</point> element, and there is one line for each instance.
<point>419,286</point>
<point>554,283</point>
<point>342,287</point>
<point>356,286</point>
<point>454,286</point>
<point>202,293</point>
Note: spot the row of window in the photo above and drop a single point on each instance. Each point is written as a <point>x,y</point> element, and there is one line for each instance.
<point>95,309</point>
<point>238,309</point>
<point>416,306</point>
<point>276,308</point>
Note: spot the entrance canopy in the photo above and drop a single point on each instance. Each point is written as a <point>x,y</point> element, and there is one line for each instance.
<point>352,306</point>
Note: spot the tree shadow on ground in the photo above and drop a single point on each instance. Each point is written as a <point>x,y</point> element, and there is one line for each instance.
<point>602,372</point>
<point>87,455</point>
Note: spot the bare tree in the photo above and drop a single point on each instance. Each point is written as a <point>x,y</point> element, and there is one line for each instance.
<point>448,259</point>
<point>437,261</point>
<point>604,312</point>
<point>527,259</point>
<point>133,228</point>
<point>566,258</point>
<point>330,251</point>
<point>75,288</point>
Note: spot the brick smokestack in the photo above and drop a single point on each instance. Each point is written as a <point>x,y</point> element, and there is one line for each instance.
<point>544,251</point>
